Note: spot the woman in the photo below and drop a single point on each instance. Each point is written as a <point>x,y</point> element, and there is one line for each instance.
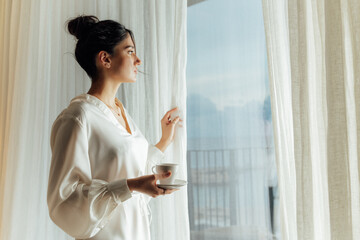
<point>97,187</point>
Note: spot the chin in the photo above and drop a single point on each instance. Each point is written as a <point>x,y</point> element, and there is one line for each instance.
<point>129,80</point>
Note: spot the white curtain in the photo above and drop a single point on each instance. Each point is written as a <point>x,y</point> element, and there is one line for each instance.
<point>314,58</point>
<point>39,76</point>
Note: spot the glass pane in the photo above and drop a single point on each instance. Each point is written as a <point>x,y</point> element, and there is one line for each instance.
<point>231,162</point>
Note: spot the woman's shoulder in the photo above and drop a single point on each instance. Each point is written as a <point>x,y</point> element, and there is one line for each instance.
<point>77,110</point>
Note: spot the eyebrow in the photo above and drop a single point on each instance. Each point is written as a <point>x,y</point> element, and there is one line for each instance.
<point>129,46</point>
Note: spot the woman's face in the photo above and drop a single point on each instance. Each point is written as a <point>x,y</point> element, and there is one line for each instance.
<point>124,62</point>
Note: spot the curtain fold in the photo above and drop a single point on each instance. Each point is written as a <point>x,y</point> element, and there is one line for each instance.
<point>39,76</point>
<point>313,52</point>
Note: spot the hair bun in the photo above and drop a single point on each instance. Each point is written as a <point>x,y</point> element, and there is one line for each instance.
<point>80,26</point>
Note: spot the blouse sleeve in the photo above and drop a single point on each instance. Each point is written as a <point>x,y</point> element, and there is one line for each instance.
<point>154,156</point>
<point>78,204</point>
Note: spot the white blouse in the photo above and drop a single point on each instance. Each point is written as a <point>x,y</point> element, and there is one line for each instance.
<point>92,156</point>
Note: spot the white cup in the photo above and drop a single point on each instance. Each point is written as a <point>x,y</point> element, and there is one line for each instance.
<point>166,167</point>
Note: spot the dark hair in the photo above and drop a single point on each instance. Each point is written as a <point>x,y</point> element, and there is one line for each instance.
<point>95,36</point>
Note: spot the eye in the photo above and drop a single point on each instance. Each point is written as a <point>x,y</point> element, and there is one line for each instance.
<point>131,52</point>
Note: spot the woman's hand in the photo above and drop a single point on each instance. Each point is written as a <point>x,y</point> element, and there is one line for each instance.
<point>168,129</point>
<point>147,184</point>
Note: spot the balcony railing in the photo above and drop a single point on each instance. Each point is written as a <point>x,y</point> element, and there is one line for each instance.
<point>229,191</point>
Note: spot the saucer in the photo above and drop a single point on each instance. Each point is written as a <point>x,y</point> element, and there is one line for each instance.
<point>176,184</point>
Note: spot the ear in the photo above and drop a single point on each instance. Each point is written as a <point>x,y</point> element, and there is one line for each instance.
<point>104,59</point>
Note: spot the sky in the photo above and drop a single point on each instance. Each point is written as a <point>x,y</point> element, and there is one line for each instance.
<point>227,78</point>
<point>227,52</point>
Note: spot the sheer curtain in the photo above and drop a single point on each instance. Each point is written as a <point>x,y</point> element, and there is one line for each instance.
<point>314,58</point>
<point>39,76</point>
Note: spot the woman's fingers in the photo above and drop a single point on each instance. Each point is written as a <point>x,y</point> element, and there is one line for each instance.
<point>167,115</point>
<point>163,191</point>
<point>168,191</point>
<point>164,175</point>
<point>175,120</point>
<point>172,110</point>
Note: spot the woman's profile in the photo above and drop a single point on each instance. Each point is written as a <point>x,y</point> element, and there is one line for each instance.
<point>98,184</point>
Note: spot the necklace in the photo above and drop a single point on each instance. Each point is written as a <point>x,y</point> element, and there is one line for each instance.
<point>118,113</point>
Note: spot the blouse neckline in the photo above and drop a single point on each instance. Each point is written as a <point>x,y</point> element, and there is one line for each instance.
<point>119,104</point>
<point>106,110</point>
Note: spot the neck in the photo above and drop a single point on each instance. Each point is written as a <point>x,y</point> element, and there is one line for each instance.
<point>105,91</point>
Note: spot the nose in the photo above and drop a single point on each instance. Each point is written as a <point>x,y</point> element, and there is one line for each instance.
<point>137,61</point>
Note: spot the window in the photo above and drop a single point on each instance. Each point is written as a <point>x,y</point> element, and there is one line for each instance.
<point>231,162</point>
